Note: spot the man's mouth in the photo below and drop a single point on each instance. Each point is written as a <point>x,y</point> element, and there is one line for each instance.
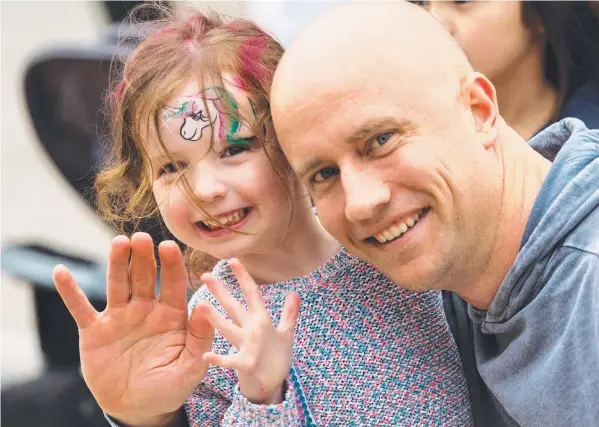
<point>398,229</point>
<point>229,220</point>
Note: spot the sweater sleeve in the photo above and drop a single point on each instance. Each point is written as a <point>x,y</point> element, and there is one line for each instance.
<point>243,413</point>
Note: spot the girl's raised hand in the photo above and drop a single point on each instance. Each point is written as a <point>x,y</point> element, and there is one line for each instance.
<point>141,357</point>
<point>264,352</point>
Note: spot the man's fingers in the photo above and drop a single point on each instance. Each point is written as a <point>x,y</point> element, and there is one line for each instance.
<point>251,293</point>
<point>173,276</point>
<point>200,334</point>
<point>117,276</point>
<point>228,330</point>
<point>74,298</point>
<point>232,307</point>
<point>143,267</point>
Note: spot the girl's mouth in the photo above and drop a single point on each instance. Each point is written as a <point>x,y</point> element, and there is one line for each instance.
<point>229,220</point>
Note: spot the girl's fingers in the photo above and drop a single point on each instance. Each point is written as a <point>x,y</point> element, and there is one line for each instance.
<point>290,313</point>
<point>117,276</point>
<point>143,267</point>
<point>230,361</point>
<point>173,276</point>
<point>232,307</point>
<point>74,298</point>
<point>250,290</point>
<point>228,330</point>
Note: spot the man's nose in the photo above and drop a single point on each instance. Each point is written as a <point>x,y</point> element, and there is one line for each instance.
<point>365,193</point>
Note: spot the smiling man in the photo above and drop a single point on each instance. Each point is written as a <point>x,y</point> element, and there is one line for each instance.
<point>412,168</point>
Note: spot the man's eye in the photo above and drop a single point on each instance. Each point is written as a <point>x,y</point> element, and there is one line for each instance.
<point>235,150</point>
<point>324,174</point>
<point>383,138</point>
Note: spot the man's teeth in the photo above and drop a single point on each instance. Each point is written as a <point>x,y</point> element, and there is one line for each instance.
<point>230,219</point>
<point>397,230</point>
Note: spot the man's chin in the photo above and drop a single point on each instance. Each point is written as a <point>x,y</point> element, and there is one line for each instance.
<point>406,277</point>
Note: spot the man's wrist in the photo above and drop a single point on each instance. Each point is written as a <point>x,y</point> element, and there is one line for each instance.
<point>173,419</point>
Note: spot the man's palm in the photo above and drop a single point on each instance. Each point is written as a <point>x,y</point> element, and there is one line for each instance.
<point>141,358</point>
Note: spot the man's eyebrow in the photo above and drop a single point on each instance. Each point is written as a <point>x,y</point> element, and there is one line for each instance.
<point>371,127</point>
<point>309,166</point>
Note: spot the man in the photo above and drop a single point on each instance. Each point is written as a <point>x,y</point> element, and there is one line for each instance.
<point>412,168</point>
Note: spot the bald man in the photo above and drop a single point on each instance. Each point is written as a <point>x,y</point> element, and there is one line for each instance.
<point>412,168</point>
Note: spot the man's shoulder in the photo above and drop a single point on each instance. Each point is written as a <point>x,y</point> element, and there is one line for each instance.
<point>585,236</point>
<point>569,136</point>
<point>581,141</point>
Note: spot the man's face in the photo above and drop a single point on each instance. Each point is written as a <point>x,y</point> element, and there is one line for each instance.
<point>399,175</point>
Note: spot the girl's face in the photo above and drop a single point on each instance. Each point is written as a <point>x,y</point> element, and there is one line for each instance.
<point>493,34</point>
<point>231,176</point>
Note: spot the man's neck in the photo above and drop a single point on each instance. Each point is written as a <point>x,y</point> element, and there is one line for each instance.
<point>305,247</point>
<point>524,171</point>
<point>527,101</point>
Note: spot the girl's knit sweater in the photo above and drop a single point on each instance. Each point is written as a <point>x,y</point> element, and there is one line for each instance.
<point>366,353</point>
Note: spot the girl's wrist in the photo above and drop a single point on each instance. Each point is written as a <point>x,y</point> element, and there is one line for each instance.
<point>276,398</point>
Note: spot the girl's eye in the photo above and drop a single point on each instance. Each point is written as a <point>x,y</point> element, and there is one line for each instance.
<point>236,149</point>
<point>324,174</point>
<point>168,169</point>
<point>383,138</point>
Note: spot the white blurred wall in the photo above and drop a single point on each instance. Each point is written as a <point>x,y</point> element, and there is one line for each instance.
<point>36,204</point>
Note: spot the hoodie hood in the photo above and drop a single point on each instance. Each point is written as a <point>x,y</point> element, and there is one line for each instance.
<point>568,194</point>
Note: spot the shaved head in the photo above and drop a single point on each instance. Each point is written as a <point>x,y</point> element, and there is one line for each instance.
<point>383,119</point>
<point>363,41</point>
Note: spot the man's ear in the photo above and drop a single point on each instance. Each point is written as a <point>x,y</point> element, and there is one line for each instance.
<point>478,94</point>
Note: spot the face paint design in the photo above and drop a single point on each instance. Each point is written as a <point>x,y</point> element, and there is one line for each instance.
<point>196,117</point>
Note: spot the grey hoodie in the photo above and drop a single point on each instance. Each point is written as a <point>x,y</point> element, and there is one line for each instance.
<point>532,359</point>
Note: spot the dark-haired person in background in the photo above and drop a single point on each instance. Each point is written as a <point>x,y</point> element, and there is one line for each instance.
<point>542,57</point>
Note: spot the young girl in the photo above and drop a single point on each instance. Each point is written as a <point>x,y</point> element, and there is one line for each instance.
<point>542,56</point>
<point>193,140</point>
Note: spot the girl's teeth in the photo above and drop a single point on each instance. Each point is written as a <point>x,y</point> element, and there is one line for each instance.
<point>410,222</point>
<point>229,219</point>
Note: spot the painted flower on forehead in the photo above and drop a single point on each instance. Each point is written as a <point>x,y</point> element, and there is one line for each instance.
<point>204,109</point>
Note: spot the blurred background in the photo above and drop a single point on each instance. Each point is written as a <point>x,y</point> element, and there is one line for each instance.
<point>49,141</point>
<point>55,59</point>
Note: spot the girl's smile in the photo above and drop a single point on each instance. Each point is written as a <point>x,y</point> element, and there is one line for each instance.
<point>234,220</point>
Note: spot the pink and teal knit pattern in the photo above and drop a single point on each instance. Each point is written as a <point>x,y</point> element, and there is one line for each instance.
<point>366,353</point>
